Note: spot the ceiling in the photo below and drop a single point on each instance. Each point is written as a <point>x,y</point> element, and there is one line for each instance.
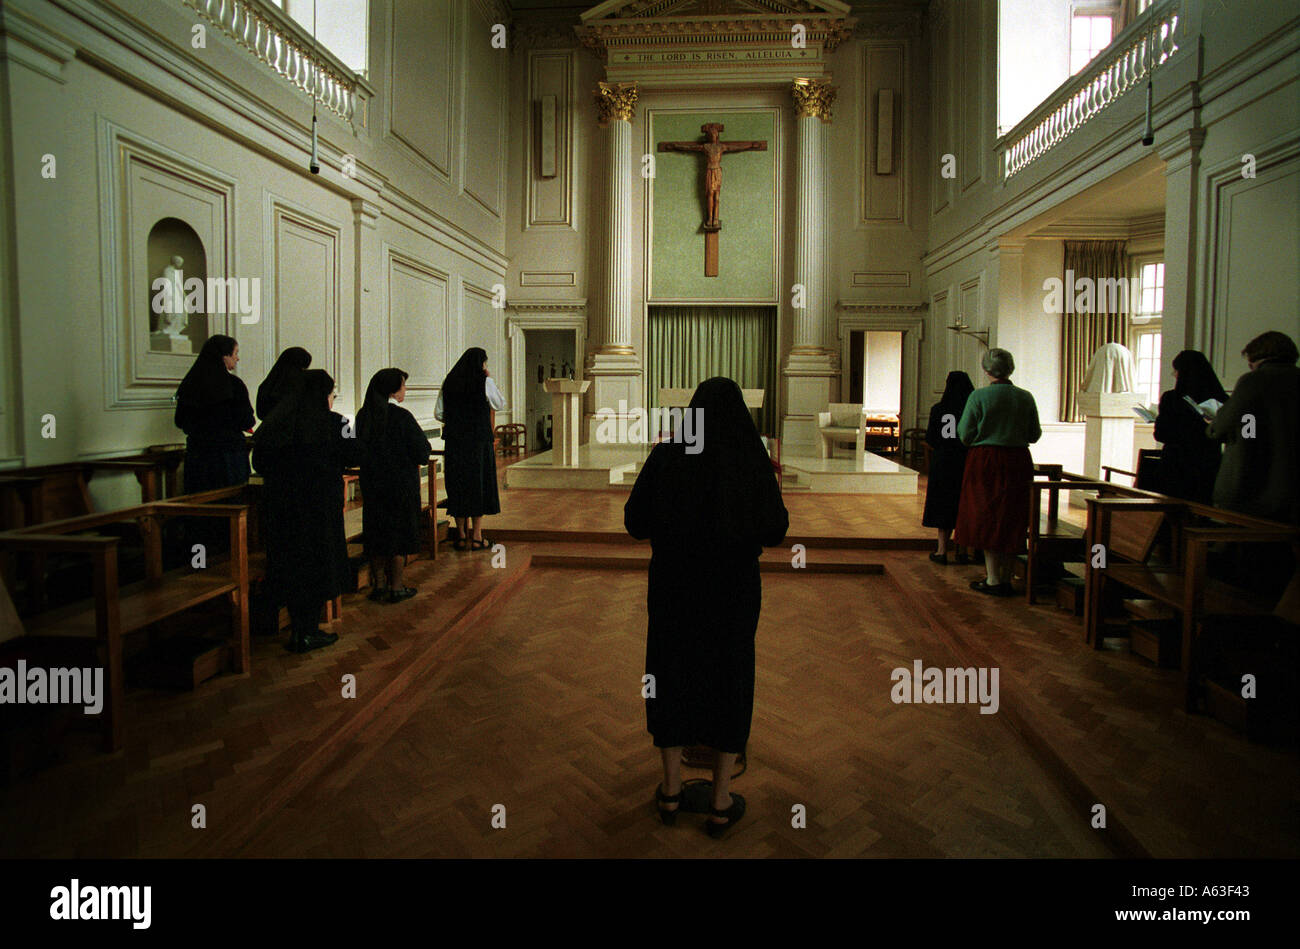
<point>568,6</point>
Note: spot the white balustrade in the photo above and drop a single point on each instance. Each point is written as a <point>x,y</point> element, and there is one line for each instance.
<point>1149,41</point>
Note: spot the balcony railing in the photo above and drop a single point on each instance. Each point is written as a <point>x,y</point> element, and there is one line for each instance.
<point>288,49</point>
<point>1150,40</point>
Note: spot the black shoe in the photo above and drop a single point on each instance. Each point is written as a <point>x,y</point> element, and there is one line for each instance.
<point>962,560</point>
<point>669,817</point>
<point>940,559</point>
<point>398,594</point>
<point>306,642</point>
<point>733,814</point>
<point>377,594</point>
<point>992,589</point>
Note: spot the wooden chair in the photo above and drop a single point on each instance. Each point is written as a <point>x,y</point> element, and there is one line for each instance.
<point>913,450</point>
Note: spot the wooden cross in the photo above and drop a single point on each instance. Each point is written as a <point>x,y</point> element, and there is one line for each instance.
<point>713,150</point>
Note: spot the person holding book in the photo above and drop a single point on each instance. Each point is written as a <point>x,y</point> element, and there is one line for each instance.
<point>1189,459</point>
<point>1260,430</point>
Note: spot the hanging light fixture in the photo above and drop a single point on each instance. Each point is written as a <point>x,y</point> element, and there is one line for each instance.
<point>314,165</point>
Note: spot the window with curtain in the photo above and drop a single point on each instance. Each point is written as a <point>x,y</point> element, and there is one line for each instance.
<point>688,344</point>
<point>1102,267</point>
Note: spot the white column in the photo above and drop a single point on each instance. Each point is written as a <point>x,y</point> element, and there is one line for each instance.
<point>1180,328</point>
<point>812,367</point>
<point>614,367</point>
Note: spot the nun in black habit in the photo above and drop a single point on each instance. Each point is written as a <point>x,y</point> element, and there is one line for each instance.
<point>213,410</point>
<point>947,464</point>
<point>465,404</point>
<point>301,451</point>
<point>1189,458</point>
<point>393,448</point>
<point>281,380</point>
<point>708,515</point>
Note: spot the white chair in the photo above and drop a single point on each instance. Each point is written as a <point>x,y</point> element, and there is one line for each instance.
<point>842,422</point>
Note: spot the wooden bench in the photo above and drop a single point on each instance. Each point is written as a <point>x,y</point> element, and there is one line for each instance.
<point>1049,536</point>
<point>1126,528</point>
<point>116,611</point>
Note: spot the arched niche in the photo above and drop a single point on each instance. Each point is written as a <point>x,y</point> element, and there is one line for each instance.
<point>171,237</point>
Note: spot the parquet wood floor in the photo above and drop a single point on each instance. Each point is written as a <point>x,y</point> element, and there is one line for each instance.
<point>542,713</point>
<point>502,686</point>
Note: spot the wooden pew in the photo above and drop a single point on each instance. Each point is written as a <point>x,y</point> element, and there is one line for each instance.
<point>1049,536</point>
<point>1127,528</point>
<point>115,611</point>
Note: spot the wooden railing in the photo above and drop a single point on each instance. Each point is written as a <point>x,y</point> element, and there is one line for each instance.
<point>288,49</point>
<point>1150,40</point>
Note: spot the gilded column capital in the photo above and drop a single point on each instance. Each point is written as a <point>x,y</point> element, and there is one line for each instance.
<point>813,97</point>
<point>615,101</point>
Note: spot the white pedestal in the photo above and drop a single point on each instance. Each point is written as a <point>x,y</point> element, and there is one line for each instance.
<point>1108,432</point>
<point>164,343</point>
<point>566,417</point>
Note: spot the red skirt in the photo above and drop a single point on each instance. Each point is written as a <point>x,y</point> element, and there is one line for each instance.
<point>994,510</point>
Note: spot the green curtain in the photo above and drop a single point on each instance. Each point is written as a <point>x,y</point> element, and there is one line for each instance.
<point>688,344</point>
<point>1082,334</point>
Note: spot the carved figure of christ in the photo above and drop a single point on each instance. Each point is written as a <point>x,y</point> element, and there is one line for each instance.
<point>713,149</point>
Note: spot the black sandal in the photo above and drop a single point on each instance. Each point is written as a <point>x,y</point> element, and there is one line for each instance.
<point>941,559</point>
<point>401,593</point>
<point>733,814</point>
<point>669,817</point>
<point>483,544</point>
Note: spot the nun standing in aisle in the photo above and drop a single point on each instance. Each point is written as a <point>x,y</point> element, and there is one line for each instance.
<point>281,380</point>
<point>947,463</point>
<point>301,451</point>
<point>708,516</point>
<point>213,410</point>
<point>465,403</point>
<point>393,449</point>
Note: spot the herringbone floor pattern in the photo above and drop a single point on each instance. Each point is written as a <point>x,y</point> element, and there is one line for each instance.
<point>542,713</point>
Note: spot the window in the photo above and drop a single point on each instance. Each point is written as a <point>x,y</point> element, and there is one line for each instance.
<point>1089,35</point>
<point>1145,336</point>
<point>344,27</point>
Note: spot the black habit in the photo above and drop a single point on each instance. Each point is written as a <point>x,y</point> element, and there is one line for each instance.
<point>707,516</point>
<point>214,411</point>
<point>469,457</point>
<point>390,485</point>
<point>1189,458</point>
<point>302,462</point>
<point>947,454</point>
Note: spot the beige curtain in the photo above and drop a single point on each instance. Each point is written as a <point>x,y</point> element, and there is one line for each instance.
<point>688,344</point>
<point>1105,298</point>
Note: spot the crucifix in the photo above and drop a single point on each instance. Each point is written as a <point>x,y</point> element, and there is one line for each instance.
<point>713,150</point>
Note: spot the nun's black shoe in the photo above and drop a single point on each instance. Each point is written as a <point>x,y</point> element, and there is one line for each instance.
<point>306,642</point>
<point>941,559</point>
<point>733,814</point>
<point>669,817</point>
<point>962,560</point>
<point>399,594</point>
<point>378,593</point>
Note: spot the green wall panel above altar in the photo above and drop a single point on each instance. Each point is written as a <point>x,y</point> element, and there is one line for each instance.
<point>747,209</point>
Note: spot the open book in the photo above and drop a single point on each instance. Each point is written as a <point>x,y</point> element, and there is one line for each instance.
<point>1146,413</point>
<point>1209,408</point>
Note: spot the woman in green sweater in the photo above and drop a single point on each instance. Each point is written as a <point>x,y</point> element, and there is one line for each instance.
<point>999,424</point>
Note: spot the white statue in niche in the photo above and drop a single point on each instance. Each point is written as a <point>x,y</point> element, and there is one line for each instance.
<point>168,302</point>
